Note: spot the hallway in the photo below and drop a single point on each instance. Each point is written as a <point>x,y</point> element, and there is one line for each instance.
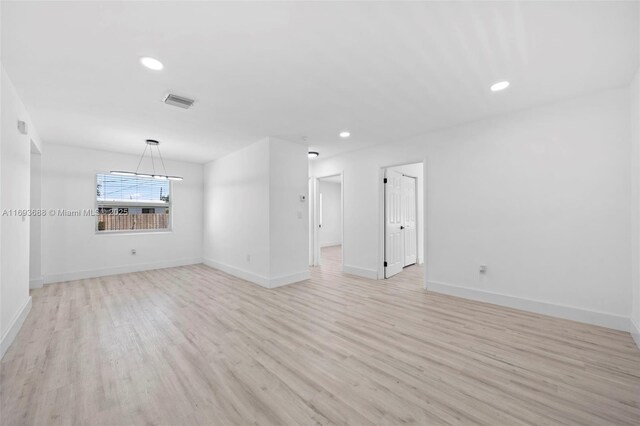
<point>332,267</point>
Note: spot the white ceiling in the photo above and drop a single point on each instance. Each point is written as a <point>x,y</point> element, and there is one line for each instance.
<point>385,71</point>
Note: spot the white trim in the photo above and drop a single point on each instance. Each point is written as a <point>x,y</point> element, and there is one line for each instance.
<point>289,279</point>
<point>93,273</point>
<point>316,234</point>
<point>311,202</point>
<point>420,260</point>
<point>331,244</point>
<point>238,272</point>
<point>635,332</point>
<point>260,280</point>
<point>36,283</point>
<point>14,328</point>
<point>602,319</point>
<point>135,232</point>
<point>361,272</point>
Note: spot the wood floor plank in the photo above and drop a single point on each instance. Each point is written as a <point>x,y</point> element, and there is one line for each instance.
<point>193,345</point>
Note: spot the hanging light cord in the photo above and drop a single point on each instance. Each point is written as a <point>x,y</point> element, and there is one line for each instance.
<point>153,164</point>
<point>142,157</point>
<point>150,144</point>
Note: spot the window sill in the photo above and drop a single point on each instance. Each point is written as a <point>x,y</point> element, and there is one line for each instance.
<point>136,232</point>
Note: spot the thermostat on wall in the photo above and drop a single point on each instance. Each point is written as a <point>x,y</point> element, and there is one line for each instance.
<point>22,127</point>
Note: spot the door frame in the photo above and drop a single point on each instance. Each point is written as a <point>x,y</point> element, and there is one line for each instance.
<point>381,218</point>
<point>416,216</point>
<point>317,260</point>
<point>393,223</point>
<point>311,182</point>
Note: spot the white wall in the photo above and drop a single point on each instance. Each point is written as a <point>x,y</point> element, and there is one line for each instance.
<point>331,232</point>
<point>541,196</point>
<point>416,170</point>
<point>71,247</point>
<point>236,207</point>
<point>288,215</point>
<point>635,207</point>
<point>35,226</point>
<point>255,225</point>
<point>15,152</point>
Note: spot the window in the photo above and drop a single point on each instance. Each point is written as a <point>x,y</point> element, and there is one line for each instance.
<point>132,203</point>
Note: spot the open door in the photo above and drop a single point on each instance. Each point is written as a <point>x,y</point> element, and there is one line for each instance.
<point>393,235</point>
<point>409,222</point>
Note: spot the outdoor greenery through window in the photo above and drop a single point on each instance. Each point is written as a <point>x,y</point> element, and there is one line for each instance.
<point>132,203</point>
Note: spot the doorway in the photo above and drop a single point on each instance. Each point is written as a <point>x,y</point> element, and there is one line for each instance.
<point>403,207</point>
<point>326,223</point>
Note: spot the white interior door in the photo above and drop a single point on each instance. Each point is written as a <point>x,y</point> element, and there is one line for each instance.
<point>409,220</point>
<point>393,235</point>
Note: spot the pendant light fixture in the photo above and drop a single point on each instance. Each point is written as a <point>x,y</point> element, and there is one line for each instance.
<point>150,143</point>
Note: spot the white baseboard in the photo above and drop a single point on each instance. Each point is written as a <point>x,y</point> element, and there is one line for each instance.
<point>602,319</point>
<point>289,279</point>
<point>420,260</point>
<point>36,282</point>
<point>331,244</point>
<point>15,326</point>
<point>238,272</point>
<point>255,278</point>
<point>635,332</point>
<point>361,272</point>
<point>93,273</point>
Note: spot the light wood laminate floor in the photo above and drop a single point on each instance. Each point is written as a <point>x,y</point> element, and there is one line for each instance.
<point>192,345</point>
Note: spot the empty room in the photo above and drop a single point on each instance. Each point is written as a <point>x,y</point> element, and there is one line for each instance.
<point>320,213</point>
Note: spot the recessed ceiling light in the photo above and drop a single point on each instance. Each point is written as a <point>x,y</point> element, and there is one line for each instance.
<point>151,63</point>
<point>345,134</point>
<point>313,154</point>
<point>501,85</point>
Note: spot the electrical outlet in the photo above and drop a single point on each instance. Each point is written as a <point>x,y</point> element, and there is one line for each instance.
<point>483,269</point>
<point>133,251</point>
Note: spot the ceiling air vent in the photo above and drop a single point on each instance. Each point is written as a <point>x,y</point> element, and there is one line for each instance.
<point>178,101</point>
